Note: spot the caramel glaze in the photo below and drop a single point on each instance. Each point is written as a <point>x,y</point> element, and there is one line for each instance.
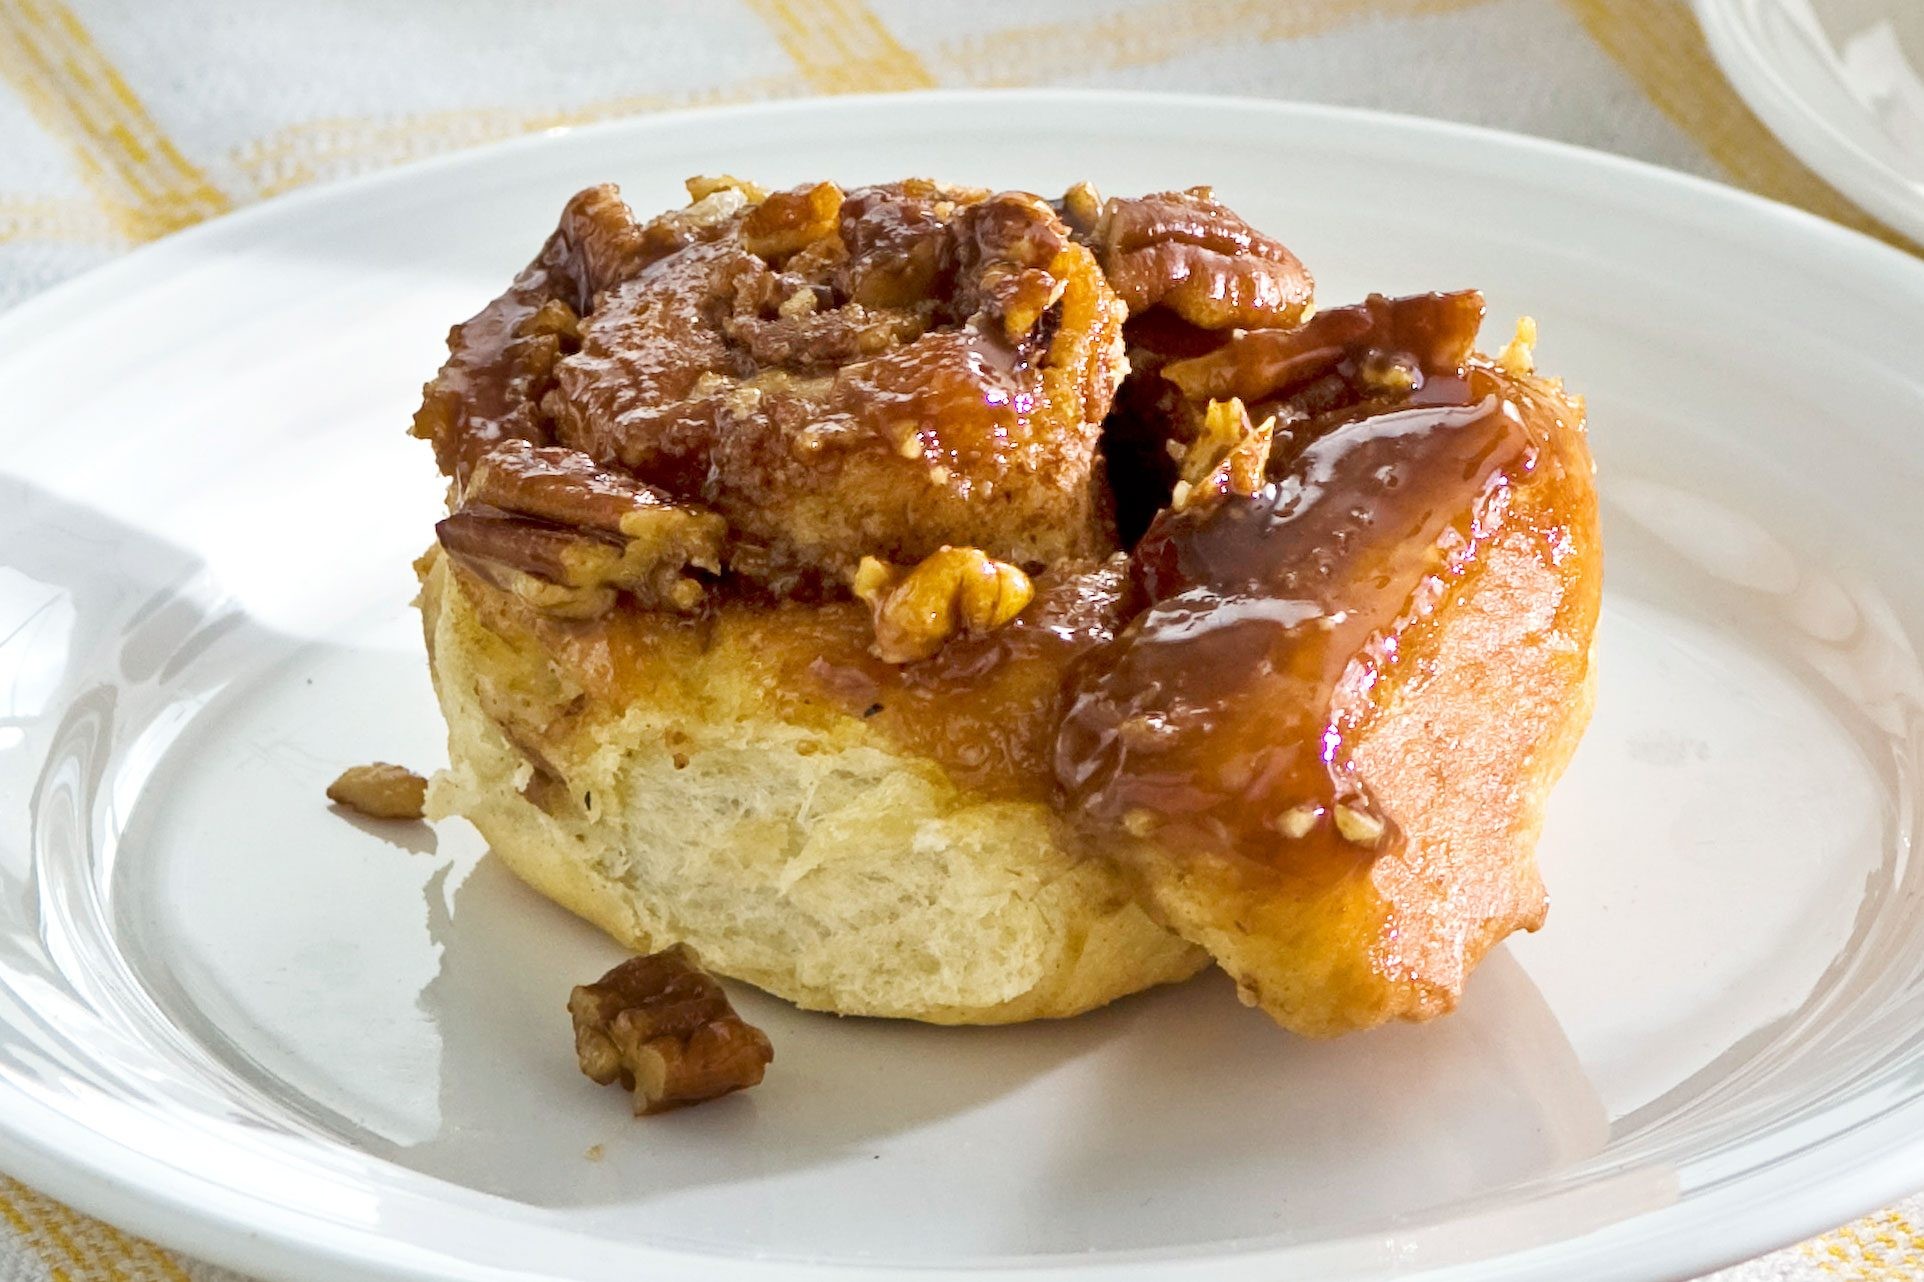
<point>1206,689</point>
<point>501,361</point>
<point>1221,719</point>
<point>986,708</point>
<point>1208,686</point>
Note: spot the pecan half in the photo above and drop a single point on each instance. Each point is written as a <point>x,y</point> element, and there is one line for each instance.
<point>1184,251</point>
<point>662,1027</point>
<point>565,533</point>
<point>952,591</point>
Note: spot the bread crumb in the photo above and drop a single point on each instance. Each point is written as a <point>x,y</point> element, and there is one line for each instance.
<point>1518,356</point>
<point>595,1153</point>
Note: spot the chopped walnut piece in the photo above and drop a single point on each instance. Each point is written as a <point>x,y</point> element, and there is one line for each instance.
<point>1184,251</point>
<point>380,791</point>
<point>565,533</point>
<point>951,591</point>
<point>791,220</point>
<point>1229,455</point>
<point>663,1028</point>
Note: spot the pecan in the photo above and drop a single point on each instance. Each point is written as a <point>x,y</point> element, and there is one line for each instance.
<point>1378,345</point>
<point>1081,207</point>
<point>501,361</point>
<point>951,591</point>
<point>380,791</point>
<point>790,220</point>
<point>664,1029</point>
<point>1229,455</point>
<point>579,531</point>
<point>1006,248</point>
<point>894,241</point>
<point>1184,251</point>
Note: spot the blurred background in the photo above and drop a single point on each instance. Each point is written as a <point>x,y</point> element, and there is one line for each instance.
<point>124,120</point>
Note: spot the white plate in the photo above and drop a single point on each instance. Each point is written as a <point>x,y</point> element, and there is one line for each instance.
<point>241,1024</point>
<point>1841,82</point>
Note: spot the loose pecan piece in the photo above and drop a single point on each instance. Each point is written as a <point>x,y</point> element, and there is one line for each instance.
<point>565,533</point>
<point>662,1027</point>
<point>951,591</point>
<point>380,791</point>
<point>1184,251</point>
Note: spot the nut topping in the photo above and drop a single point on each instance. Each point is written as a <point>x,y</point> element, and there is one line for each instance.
<point>953,590</point>
<point>1296,822</point>
<point>1081,207</point>
<point>790,220</point>
<point>1008,247</point>
<point>565,534</point>
<point>1184,251</point>
<point>1229,456</point>
<point>702,186</point>
<point>663,1028</point>
<point>1381,347</point>
<point>380,791</point>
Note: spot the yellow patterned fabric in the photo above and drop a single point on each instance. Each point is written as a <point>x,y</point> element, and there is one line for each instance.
<point>124,121</point>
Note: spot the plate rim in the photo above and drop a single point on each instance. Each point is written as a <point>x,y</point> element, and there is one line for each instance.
<point>125,1186</point>
<point>1856,174</point>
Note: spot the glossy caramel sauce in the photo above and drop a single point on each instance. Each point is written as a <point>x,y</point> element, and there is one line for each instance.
<point>986,708</point>
<point>1205,690</point>
<point>1221,719</point>
<point>501,361</point>
<point>897,387</point>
